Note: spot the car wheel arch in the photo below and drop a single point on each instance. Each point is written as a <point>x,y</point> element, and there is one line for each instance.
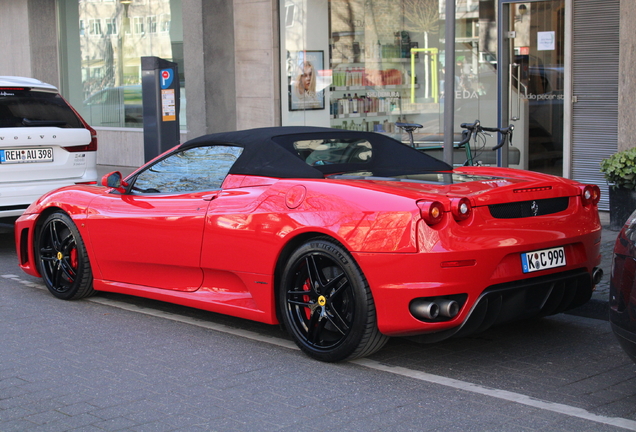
<point>61,256</point>
<point>348,308</point>
<point>43,216</point>
<point>288,249</point>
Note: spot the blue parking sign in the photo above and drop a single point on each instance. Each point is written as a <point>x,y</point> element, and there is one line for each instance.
<point>166,78</point>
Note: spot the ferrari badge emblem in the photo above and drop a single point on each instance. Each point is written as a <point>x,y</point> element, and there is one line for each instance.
<point>535,208</point>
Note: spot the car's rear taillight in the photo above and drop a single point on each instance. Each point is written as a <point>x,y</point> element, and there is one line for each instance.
<point>590,195</point>
<point>461,208</point>
<point>93,144</point>
<point>90,147</point>
<point>431,211</point>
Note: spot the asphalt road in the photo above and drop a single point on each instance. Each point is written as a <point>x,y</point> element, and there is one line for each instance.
<point>115,362</point>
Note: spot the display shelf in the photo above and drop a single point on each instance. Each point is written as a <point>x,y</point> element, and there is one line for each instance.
<point>372,60</point>
<point>363,115</point>
<point>376,87</point>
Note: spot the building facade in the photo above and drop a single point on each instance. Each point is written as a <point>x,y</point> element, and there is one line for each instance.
<point>557,69</point>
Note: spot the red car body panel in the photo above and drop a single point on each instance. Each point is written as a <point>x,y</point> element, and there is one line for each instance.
<point>220,250</point>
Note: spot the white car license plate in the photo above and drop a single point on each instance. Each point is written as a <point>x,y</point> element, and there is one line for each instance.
<point>43,154</point>
<point>543,259</point>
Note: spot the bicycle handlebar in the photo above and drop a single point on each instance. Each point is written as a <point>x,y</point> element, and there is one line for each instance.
<point>465,138</point>
<point>472,126</point>
<point>476,127</point>
<point>505,132</point>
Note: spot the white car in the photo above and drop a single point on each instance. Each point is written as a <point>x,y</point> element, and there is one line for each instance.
<point>44,144</point>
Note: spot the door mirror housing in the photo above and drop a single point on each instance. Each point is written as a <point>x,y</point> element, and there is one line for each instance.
<point>114,180</point>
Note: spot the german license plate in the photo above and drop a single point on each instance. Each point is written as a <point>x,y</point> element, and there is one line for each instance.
<point>25,155</point>
<point>543,259</point>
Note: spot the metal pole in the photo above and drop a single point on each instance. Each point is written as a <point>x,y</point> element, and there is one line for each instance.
<point>449,83</point>
<point>503,58</point>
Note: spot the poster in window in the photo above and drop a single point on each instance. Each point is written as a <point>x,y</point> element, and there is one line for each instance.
<point>545,41</point>
<point>307,90</point>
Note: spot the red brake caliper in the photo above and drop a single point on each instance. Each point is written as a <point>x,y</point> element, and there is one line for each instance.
<point>306,299</point>
<point>73,258</point>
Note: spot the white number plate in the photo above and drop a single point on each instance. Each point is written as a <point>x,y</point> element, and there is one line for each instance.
<point>43,154</point>
<point>543,259</point>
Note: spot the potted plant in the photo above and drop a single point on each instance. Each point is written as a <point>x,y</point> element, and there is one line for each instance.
<point>620,173</point>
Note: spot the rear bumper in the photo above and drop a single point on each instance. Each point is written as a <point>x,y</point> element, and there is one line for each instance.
<point>17,196</point>
<point>494,288</point>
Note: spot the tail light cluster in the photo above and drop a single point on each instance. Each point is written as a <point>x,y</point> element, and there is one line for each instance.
<point>92,146</point>
<point>590,195</point>
<point>433,211</point>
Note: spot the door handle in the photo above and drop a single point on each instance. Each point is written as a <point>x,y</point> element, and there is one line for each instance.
<point>211,196</point>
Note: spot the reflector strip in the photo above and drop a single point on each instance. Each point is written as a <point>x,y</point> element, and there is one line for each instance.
<point>459,263</point>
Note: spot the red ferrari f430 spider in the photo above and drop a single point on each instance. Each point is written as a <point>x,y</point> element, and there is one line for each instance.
<point>346,238</point>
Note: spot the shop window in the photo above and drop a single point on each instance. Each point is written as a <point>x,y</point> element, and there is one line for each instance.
<point>109,68</point>
<point>368,64</point>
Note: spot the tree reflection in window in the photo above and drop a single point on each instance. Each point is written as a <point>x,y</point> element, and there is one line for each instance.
<point>192,170</point>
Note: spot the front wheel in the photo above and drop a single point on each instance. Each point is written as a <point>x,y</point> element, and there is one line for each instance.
<point>326,304</point>
<point>62,259</point>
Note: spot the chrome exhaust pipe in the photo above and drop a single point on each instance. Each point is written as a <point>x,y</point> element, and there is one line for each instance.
<point>448,308</point>
<point>597,275</point>
<point>424,309</point>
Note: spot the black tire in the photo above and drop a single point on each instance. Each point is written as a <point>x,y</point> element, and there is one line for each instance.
<point>326,304</point>
<point>62,259</point>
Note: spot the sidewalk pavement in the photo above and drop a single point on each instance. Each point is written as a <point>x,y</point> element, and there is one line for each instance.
<point>598,307</point>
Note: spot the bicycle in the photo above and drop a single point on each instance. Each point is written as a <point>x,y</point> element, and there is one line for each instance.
<point>478,131</point>
<point>470,129</point>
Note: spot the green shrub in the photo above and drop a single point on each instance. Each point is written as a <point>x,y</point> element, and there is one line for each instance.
<point>620,169</point>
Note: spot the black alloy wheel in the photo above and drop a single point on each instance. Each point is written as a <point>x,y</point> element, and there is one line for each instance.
<point>326,303</point>
<point>62,258</point>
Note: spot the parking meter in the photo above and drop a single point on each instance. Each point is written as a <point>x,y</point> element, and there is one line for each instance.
<point>160,96</point>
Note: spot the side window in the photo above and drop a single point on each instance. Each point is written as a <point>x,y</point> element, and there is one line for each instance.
<point>191,170</point>
<point>334,151</point>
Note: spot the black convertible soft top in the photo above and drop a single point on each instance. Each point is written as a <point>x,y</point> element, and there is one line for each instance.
<point>270,152</point>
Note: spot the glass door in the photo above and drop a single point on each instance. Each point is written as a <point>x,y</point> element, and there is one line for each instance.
<point>532,65</point>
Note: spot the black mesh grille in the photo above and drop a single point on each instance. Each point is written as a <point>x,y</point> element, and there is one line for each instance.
<point>523,209</point>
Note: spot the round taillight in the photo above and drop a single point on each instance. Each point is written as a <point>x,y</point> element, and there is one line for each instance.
<point>431,211</point>
<point>590,195</point>
<point>461,208</point>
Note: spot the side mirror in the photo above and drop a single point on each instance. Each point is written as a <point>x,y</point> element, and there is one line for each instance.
<point>114,180</point>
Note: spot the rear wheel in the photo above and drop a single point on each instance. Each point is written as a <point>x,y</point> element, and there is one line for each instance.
<point>62,258</point>
<point>326,304</point>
